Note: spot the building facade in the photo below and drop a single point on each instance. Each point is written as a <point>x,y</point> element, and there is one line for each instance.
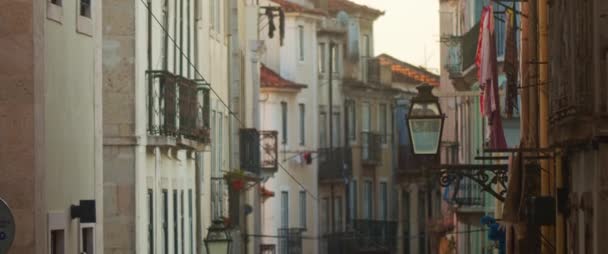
<point>50,120</point>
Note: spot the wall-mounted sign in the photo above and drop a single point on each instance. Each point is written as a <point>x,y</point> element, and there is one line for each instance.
<point>7,227</point>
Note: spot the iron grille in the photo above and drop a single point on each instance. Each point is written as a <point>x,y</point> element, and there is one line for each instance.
<point>258,150</point>
<point>177,106</point>
<point>335,165</point>
<point>290,240</point>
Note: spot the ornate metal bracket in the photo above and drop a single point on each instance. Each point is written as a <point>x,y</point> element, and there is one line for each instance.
<point>485,176</point>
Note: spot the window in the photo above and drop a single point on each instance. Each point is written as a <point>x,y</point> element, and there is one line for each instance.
<point>175,223</point>
<point>54,10</point>
<point>422,221</point>
<point>302,124</point>
<point>190,221</point>
<point>165,35</point>
<point>303,209</point>
<point>335,51</point>
<point>57,241</point>
<point>85,8</point>
<point>366,46</point>
<point>405,213</point>
<point>366,127</point>
<point>352,120</point>
<point>284,122</point>
<point>182,217</point>
<point>325,215</point>
<point>383,201</point>
<point>323,130</point>
<point>165,222</point>
<point>301,42</point>
<point>284,209</point>
<point>352,204</point>
<point>366,121</point>
<point>382,122</point>
<point>87,239</point>
<point>338,213</point>
<point>150,221</point>
<point>367,200</point>
<point>220,142</point>
<point>322,60</point>
<point>336,130</point>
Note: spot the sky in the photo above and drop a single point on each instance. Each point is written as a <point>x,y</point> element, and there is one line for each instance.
<point>409,30</point>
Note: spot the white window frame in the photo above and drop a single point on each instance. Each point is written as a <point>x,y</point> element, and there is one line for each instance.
<point>302,133</point>
<point>81,229</point>
<point>57,221</point>
<point>322,58</point>
<point>383,203</point>
<point>303,209</point>
<point>54,12</point>
<point>84,24</point>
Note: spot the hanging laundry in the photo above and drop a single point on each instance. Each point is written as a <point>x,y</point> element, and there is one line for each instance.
<point>488,80</point>
<point>298,159</point>
<point>281,25</point>
<point>308,158</point>
<point>271,27</point>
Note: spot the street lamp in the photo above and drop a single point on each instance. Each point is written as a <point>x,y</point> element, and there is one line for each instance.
<point>425,122</point>
<point>218,239</point>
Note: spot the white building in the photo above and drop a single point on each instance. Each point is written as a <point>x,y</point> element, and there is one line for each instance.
<point>50,124</point>
<point>288,104</point>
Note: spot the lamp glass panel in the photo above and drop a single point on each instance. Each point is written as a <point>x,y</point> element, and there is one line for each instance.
<point>217,247</point>
<point>425,109</point>
<point>425,135</point>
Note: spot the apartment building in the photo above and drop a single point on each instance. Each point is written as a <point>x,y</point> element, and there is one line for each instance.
<point>50,125</point>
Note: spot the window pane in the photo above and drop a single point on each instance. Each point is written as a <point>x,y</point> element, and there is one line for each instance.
<point>323,130</point>
<point>150,221</point>
<point>382,122</point>
<point>303,209</point>
<point>87,241</point>
<point>165,222</point>
<point>353,200</point>
<point>366,115</point>
<point>284,209</point>
<point>338,213</point>
<point>301,40</point>
<point>336,130</point>
<point>57,242</point>
<point>321,60</point>
<point>335,60</point>
<point>352,123</point>
<point>175,223</point>
<point>284,122</point>
<point>383,201</point>
<point>85,8</point>
<point>302,124</point>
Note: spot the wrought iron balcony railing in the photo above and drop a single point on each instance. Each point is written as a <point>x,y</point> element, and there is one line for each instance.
<point>335,165</point>
<point>258,150</point>
<point>290,240</point>
<point>363,235</point>
<point>177,106</point>
<point>371,148</point>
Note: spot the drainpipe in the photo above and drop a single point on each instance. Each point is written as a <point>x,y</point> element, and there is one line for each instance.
<point>543,95</point>
<point>331,132</point>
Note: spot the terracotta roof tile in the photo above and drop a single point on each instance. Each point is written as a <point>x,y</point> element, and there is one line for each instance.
<point>406,72</point>
<point>351,7</point>
<point>271,79</point>
<point>294,7</point>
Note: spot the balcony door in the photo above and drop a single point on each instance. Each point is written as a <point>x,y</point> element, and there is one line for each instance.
<point>366,123</point>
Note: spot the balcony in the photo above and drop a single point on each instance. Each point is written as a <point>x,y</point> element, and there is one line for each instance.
<point>467,196</point>
<point>259,151</point>
<point>409,164</point>
<point>461,58</point>
<point>336,165</point>
<point>178,110</point>
<point>290,240</point>
<point>365,236</point>
<point>371,148</point>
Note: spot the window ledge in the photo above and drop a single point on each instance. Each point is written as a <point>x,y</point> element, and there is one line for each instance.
<point>84,25</point>
<point>54,12</point>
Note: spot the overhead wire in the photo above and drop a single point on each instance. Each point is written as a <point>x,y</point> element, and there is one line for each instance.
<point>230,111</point>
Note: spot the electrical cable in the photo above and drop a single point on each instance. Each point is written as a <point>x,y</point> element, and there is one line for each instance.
<point>230,111</point>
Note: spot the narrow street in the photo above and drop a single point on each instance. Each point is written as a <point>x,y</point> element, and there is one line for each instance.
<point>303,126</point>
